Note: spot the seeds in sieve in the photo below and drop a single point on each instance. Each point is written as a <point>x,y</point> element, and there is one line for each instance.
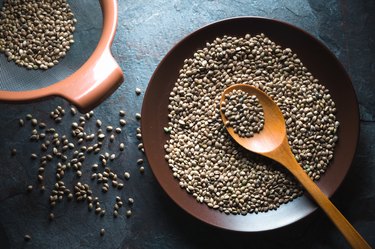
<point>32,36</point>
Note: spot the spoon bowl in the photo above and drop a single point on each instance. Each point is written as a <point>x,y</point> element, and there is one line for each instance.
<point>272,142</point>
<point>274,131</point>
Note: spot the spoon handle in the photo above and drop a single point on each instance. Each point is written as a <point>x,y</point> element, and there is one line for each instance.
<point>352,236</point>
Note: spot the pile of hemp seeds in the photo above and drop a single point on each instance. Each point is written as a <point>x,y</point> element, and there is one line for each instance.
<point>36,34</point>
<point>68,154</point>
<point>204,159</point>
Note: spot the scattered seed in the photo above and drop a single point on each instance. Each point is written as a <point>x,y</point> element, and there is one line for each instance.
<point>122,146</point>
<point>94,166</point>
<point>112,138</point>
<point>138,116</point>
<point>74,160</point>
<point>73,111</point>
<point>122,113</point>
<point>13,152</point>
<point>98,123</point>
<point>115,213</point>
<point>130,201</point>
<point>34,122</point>
<point>29,117</point>
<point>102,213</point>
<point>42,125</point>
<point>139,161</point>
<point>51,216</point>
<point>21,122</point>
<point>27,237</point>
<point>122,122</point>
<point>29,188</point>
<point>128,213</point>
<point>142,170</point>
<point>102,232</point>
<point>138,91</point>
<point>127,175</point>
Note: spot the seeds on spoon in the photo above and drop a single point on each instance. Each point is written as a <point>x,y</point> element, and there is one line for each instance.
<point>244,113</point>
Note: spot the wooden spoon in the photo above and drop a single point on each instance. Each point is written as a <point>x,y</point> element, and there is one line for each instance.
<point>272,142</point>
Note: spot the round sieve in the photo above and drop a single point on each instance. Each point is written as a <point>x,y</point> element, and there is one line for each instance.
<point>85,76</point>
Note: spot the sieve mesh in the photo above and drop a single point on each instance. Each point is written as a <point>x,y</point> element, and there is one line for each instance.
<point>86,36</point>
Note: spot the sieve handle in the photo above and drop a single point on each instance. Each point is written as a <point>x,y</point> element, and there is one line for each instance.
<point>92,86</point>
<point>100,76</point>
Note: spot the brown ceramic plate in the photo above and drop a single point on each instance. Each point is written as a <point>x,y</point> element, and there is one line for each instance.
<point>315,56</point>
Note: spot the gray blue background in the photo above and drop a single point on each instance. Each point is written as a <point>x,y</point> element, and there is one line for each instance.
<point>146,31</point>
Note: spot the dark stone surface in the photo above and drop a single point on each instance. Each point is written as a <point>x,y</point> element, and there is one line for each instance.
<point>146,31</point>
